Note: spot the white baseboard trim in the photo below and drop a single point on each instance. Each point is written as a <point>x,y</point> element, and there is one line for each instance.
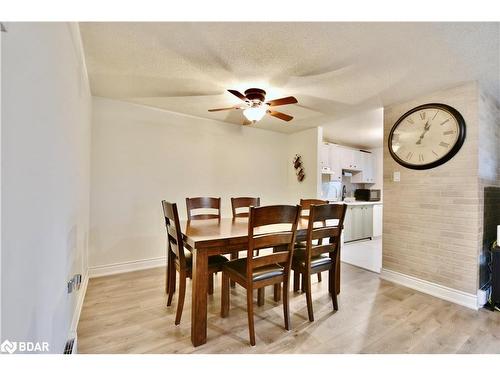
<point>135,265</point>
<point>436,290</point>
<point>79,304</point>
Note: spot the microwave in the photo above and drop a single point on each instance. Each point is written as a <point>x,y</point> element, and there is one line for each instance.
<point>369,195</point>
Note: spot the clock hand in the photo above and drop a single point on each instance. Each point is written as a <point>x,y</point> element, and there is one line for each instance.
<point>426,129</point>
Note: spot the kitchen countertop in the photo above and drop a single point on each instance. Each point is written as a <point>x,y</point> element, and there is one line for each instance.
<point>357,203</point>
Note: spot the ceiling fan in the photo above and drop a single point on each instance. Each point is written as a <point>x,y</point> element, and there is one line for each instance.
<point>255,106</point>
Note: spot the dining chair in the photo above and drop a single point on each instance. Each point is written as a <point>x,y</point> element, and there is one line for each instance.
<point>240,207</point>
<point>203,203</point>
<point>257,272</point>
<point>180,260</point>
<point>305,204</point>
<point>243,203</point>
<point>313,259</point>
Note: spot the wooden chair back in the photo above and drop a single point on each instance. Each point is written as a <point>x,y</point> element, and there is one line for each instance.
<point>305,205</point>
<point>282,241</point>
<point>174,233</point>
<point>213,204</point>
<point>243,202</point>
<point>324,214</point>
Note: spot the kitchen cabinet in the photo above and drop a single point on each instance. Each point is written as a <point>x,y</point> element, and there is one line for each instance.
<point>367,173</point>
<point>358,222</point>
<point>330,161</point>
<point>324,161</point>
<point>351,159</point>
<point>334,162</point>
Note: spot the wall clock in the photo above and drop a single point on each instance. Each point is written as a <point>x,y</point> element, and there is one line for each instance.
<point>427,136</point>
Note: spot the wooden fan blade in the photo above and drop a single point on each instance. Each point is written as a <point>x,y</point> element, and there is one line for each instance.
<point>238,94</point>
<point>223,109</point>
<point>281,116</point>
<point>282,101</point>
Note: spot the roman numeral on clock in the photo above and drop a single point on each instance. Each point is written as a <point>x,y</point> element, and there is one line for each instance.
<point>420,157</point>
<point>410,120</point>
<point>444,144</point>
<point>422,115</point>
<point>449,132</point>
<point>410,154</point>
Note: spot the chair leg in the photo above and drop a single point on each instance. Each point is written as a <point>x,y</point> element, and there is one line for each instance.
<point>251,328</point>
<point>306,278</point>
<point>296,281</point>
<point>171,286</point>
<point>277,292</point>
<point>261,295</point>
<point>211,283</point>
<point>332,281</point>
<point>303,284</point>
<point>224,309</point>
<point>182,294</point>
<point>234,256</point>
<point>286,303</point>
<point>319,277</point>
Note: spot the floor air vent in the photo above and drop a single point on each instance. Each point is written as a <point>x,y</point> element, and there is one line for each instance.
<point>70,347</point>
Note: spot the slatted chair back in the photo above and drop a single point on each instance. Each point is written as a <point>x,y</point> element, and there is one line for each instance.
<point>203,203</point>
<point>282,241</point>
<point>174,233</point>
<point>243,203</point>
<point>320,227</point>
<point>305,205</point>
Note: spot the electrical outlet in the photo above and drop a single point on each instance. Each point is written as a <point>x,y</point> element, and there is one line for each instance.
<point>74,283</point>
<point>78,281</point>
<point>397,176</point>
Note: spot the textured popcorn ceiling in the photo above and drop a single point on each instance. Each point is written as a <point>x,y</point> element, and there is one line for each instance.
<point>336,70</point>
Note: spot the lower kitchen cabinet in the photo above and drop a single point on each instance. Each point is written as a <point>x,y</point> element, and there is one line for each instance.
<point>358,222</point>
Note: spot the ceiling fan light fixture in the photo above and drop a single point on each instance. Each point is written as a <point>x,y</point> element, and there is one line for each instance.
<point>255,113</point>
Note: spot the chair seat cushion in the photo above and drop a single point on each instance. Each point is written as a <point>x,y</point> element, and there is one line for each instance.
<point>214,260</point>
<point>239,266</point>
<point>299,259</point>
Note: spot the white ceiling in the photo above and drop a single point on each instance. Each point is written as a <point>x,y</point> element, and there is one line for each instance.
<point>336,70</point>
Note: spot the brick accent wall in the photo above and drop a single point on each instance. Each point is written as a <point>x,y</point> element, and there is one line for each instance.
<point>432,218</point>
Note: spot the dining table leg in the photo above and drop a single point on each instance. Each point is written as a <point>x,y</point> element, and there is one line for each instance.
<point>199,298</point>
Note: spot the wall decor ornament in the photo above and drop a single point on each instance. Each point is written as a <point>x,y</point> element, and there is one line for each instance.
<point>299,169</point>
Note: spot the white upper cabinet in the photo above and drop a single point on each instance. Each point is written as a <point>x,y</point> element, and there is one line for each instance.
<point>351,159</point>
<point>335,158</point>
<point>325,157</point>
<point>335,163</point>
<point>367,173</point>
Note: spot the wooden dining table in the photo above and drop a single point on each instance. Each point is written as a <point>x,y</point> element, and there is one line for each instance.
<point>220,236</point>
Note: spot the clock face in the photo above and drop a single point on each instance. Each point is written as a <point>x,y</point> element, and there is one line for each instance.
<point>427,136</point>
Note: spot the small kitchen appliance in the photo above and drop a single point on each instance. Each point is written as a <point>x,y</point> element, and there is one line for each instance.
<point>368,195</point>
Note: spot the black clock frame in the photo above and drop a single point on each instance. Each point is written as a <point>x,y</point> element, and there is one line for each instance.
<point>458,145</point>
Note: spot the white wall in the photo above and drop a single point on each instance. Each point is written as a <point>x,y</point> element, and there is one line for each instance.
<point>141,155</point>
<point>307,144</point>
<point>378,162</point>
<point>45,175</point>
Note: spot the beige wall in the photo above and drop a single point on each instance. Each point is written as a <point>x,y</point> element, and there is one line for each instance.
<point>306,144</point>
<point>431,226</point>
<point>142,155</point>
<point>46,108</point>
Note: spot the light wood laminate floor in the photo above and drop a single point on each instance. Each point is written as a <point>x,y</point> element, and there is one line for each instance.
<point>127,313</point>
